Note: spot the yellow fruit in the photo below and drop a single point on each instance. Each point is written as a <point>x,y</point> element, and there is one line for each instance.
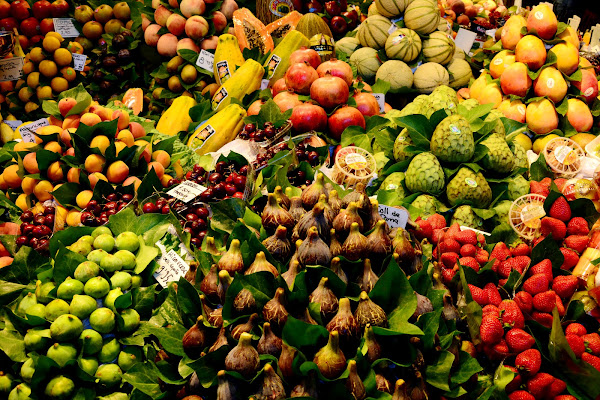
<point>12,177</point>
<point>68,73</point>
<point>33,80</point>
<point>59,84</point>
<point>75,47</point>
<point>28,68</point>
<point>524,141</point>
<point>43,92</point>
<point>582,139</point>
<point>23,202</point>
<point>73,218</point>
<point>126,137</point>
<point>28,185</point>
<point>83,198</point>
<point>20,83</point>
<point>30,106</point>
<point>36,55</point>
<point>62,57</point>
<point>48,68</point>
<point>25,94</point>
<point>50,44</point>
<point>100,142</point>
<point>540,143</point>
<point>43,190</point>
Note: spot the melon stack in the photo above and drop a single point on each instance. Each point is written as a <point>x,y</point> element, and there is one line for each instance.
<point>538,78</point>
<point>421,55</point>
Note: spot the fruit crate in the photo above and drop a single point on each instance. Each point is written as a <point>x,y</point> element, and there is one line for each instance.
<point>353,165</point>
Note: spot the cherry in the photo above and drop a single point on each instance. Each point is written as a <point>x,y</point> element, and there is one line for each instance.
<point>165,209</point>
<point>27,216</point>
<point>191,217</point>
<point>149,208</point>
<point>215,177</point>
<point>127,197</point>
<point>22,241</point>
<point>249,128</point>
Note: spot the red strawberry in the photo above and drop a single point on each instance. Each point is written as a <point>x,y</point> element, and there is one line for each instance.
<point>525,301</point>
<point>540,384</point>
<point>577,242</point>
<point>545,301</point>
<point>565,285</point>
<point>592,360</point>
<point>535,284</point>
<point>492,310</point>
<point>557,387</point>
<point>578,226</point>
<point>466,236</point>
<point>516,382</point>
<point>468,250</point>
<point>482,256</point>
<point>500,252</point>
<point>449,246</point>
<point>490,330</point>
<point>539,188</point>
<point>560,306</point>
<point>481,239</point>
<point>436,236</point>
<point>592,342</point>
<point>479,295</point>
<point>500,350</point>
<point>521,249</point>
<point>502,282</point>
<point>576,329</point>
<point>511,314</point>
<point>529,362</point>
<point>544,319</point>
<point>560,183</point>
<point>577,344</point>
<point>448,275</point>
<point>452,231</point>
<point>520,395</point>
<point>553,226</point>
<point>518,340</point>
<point>565,397</point>
<point>437,221</point>
<point>543,267</point>
<point>571,258</point>
<point>449,259</point>
<point>518,263</point>
<point>546,182</point>
<point>469,262</point>
<point>536,241</point>
<point>424,230</point>
<point>560,209</point>
<point>493,294</point>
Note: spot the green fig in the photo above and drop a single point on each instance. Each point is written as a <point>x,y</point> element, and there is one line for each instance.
<point>91,341</point>
<point>105,242</point>
<point>30,299</point>
<point>129,321</point>
<point>56,308</point>
<point>101,230</point>
<point>129,356</point>
<point>66,327</point>
<point>86,270</point>
<point>109,375</point>
<point>62,353</point>
<point>69,288</point>
<point>42,291</point>
<point>37,310</point>
<point>110,351</point>
<point>96,256</point>
<point>89,365</point>
<point>127,258</point>
<point>82,248</point>
<point>27,370</point>
<point>6,383</point>
<point>127,241</point>
<point>37,339</point>
<point>109,300</point>
<point>121,279</point>
<point>20,392</point>
<point>102,320</point>
<point>136,281</point>
<point>82,305</point>
<point>111,263</point>
<point>97,287</point>
<point>89,239</point>
<point>60,387</point>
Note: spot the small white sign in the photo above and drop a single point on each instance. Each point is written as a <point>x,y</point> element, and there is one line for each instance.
<point>206,60</point>
<point>491,32</point>
<point>264,84</point>
<point>13,124</point>
<point>172,267</point>
<point>28,131</point>
<point>464,39</point>
<point>186,191</point>
<point>79,61</point>
<point>395,217</point>
<point>11,69</point>
<point>65,27</point>
<point>393,28</point>
<point>380,97</point>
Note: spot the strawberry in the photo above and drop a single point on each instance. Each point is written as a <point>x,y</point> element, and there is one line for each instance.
<point>437,221</point>
<point>436,236</point>
<point>535,284</point>
<point>560,209</point>
<point>481,239</point>
<point>502,282</point>
<point>520,395</point>
<point>482,256</point>
<point>576,329</point>
<point>556,388</point>
<point>536,241</point>
<point>565,285</point>
<point>500,252</point>
<point>525,301</point>
<point>577,242</point>
<point>565,397</point>
<point>539,384</point>
<point>449,246</point>
<point>544,319</point>
<point>571,258</point>
<point>521,249</point>
<point>546,182</point>
<point>539,188</point>
<point>500,350</point>
<point>491,331</point>
<point>466,236</point>
<point>469,262</point>
<point>448,275</point>
<point>545,301</point>
<point>452,231</point>
<point>592,360</point>
<point>578,226</point>
<point>553,226</point>
<point>518,263</point>
<point>493,294</point>
<point>518,340</point>
<point>592,343</point>
<point>516,381</point>
<point>543,267</point>
<point>424,230</point>
<point>479,295</point>
<point>511,314</point>
<point>449,259</point>
<point>560,306</point>
<point>577,344</point>
<point>492,310</point>
<point>560,183</point>
<point>529,362</point>
<point>468,250</point>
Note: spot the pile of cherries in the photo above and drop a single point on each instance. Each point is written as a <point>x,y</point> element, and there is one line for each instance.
<point>302,154</point>
<point>227,180</point>
<point>96,214</point>
<point>36,229</point>
<point>252,133</point>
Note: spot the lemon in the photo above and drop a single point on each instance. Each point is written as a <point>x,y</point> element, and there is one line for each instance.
<point>524,141</point>
<point>50,44</point>
<point>540,143</point>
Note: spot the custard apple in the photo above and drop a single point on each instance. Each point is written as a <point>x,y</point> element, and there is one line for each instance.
<point>444,98</point>
<point>402,141</point>
<point>465,216</point>
<point>520,159</point>
<point>420,105</point>
<point>469,186</point>
<point>452,140</point>
<point>426,204</point>
<point>394,182</point>
<point>495,115</point>
<point>425,174</point>
<point>470,104</point>
<point>517,187</point>
<point>499,158</point>
<point>501,209</point>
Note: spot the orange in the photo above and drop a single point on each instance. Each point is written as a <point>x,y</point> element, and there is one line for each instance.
<point>62,57</point>
<point>50,44</point>
<point>11,176</point>
<point>28,185</point>
<point>33,80</point>
<point>28,68</point>
<point>48,68</point>
<point>68,73</point>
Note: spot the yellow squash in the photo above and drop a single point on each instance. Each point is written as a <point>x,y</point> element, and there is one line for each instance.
<point>177,117</point>
<point>219,130</point>
<point>228,58</point>
<point>246,79</point>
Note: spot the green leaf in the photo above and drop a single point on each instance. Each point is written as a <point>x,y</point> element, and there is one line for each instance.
<point>393,292</point>
<point>467,367</point>
<point>226,213</point>
<point>12,344</point>
<point>206,367</point>
<point>429,324</point>
<point>24,266</point>
<point>540,170</point>
<point>260,284</point>
<point>144,256</point>
<point>547,249</point>
<point>300,334</point>
<point>82,97</point>
<point>67,263</point>
<point>380,86</point>
<point>437,374</point>
<point>356,136</point>
<point>144,376</point>
<point>419,128</point>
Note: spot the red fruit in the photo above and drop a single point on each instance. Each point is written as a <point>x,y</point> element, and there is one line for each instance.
<point>481,239</point>
<point>525,301</point>
<point>553,226</point>
<point>511,314</point>
<point>490,309</point>
<point>516,382</point>
<point>545,301</point>
<point>366,103</point>
<point>592,360</point>
<point>578,226</point>
<point>469,262</point>
<point>577,344</point>
<point>537,283</point>
<point>520,395</point>
<point>329,91</point>
<point>437,236</point>
<point>493,294</point>
<point>60,8</point>
<point>539,188</point>
<point>556,388</point>
<point>529,362</point>
<point>338,68</point>
<point>560,183</point>
<point>466,236</point>
<point>305,55</point>
<point>482,256</point>
<point>449,246</point>
<point>539,384</point>
<point>592,342</point>
<point>560,209</point>
<point>452,231</point>
<point>448,274</point>
<point>468,250</point>
<point>449,259</point>
<point>544,319</point>
<point>500,253</point>
<point>424,231</point>
<point>502,282</point>
<point>19,9</point>
<point>571,258</point>
<point>42,9</point>
<point>437,221</point>
<point>536,241</point>
<point>308,117</point>
<point>479,295</point>
<point>543,267</point>
<point>30,27</point>
<point>577,242</point>
<point>560,306</point>
<point>565,285</point>
<point>342,118</point>
<point>491,331</point>
<point>565,397</point>
<point>500,350</point>
<point>546,182</point>
<point>299,77</point>
<point>518,264</point>
<point>521,249</point>
<point>575,329</point>
<point>518,340</point>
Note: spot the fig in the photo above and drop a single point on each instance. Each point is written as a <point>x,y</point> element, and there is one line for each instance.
<point>288,353</point>
<point>128,357</point>
<point>244,302</point>
<point>29,300</point>
<point>69,288</point>
<point>449,312</point>
<point>269,343</point>
<point>101,230</point>
<point>294,258</point>
<point>355,245</point>
<point>272,385</point>
<point>211,247</point>
<point>111,297</point>
<point>212,287</point>
<point>404,249</point>
<point>306,317</point>
<point>424,306</point>
<point>37,339</point>
<point>261,264</point>
<point>330,359</point>
<point>368,279</point>
<point>296,208</point>
<point>37,310</point>
<point>66,327</point>
<point>375,216</point>
<point>334,245</point>
<point>419,391</point>
<point>310,195</point>
<point>360,197</point>
<point>344,323</point>
<point>136,281</point>
<point>82,248</point>
<point>121,280</point>
<point>274,311</point>
<point>60,387</point>
<point>6,383</point>
<point>109,375</point>
<point>97,287</point>
<point>232,260</point>
<point>325,298</point>
<point>334,201</point>
<point>214,316</point>
<point>62,353</point>
<point>89,365</point>
<point>220,341</point>
<point>329,213</point>
<point>95,256</point>
<point>56,308</point>
<point>373,348</point>
<point>315,217</point>
<point>247,327</point>
<point>226,390</point>
<point>345,219</point>
<point>27,370</point>
<point>129,321</point>
<point>91,341</point>
<point>42,291</point>
<point>243,358</point>
<point>111,263</point>
<point>336,267</point>
<point>102,320</point>
<point>400,391</point>
<point>313,250</point>
<point>290,275</point>
<point>367,312</point>
<point>20,392</point>
<point>86,270</point>
<point>383,385</point>
<point>274,215</point>
<point>281,197</point>
<point>379,244</point>
<point>110,351</point>
<point>127,258</point>
<point>127,241</point>
<point>104,242</point>
<point>194,339</point>
<point>82,305</point>
<point>89,239</point>
<point>354,384</point>
<point>306,388</point>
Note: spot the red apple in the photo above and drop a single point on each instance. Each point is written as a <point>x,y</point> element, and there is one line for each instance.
<point>24,42</point>
<point>8,24</point>
<point>46,25</point>
<point>19,9</point>
<point>35,40</point>
<point>30,27</point>
<point>60,8</point>
<point>4,9</point>
<point>342,118</point>
<point>42,9</point>
<point>308,117</point>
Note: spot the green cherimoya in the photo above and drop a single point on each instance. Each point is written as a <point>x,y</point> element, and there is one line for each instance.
<point>470,104</point>
<point>394,182</point>
<point>425,203</point>
<point>402,141</point>
<point>499,158</point>
<point>420,105</point>
<point>465,216</point>
<point>425,174</point>
<point>469,186</point>
<point>520,155</point>
<point>517,187</point>
<point>495,115</point>
<point>501,209</point>
<point>452,140</point>
<point>444,98</point>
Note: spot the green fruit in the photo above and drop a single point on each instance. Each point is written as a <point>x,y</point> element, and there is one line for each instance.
<point>109,375</point>
<point>110,351</point>
<point>102,320</point>
<point>91,341</point>
<point>468,186</point>
<point>30,299</point>
<point>20,392</point>
<point>420,105</point>
<point>66,327</point>
<point>517,187</point>
<point>96,287</point>
<point>82,248</point>
<point>128,357</point>
<point>443,98</point>
<point>27,370</point>
<point>465,216</point>
<point>69,288</point>
<point>129,321</point>
<point>394,182</point>
<point>42,291</point>
<point>136,281</point>
<point>127,259</point>
<point>101,230</point>
<point>470,104</point>
<point>37,339</point>
<point>111,263</point>
<point>105,242</point>
<point>56,308</point>
<point>6,382</point>
<point>89,365</point>
<point>452,140</point>
<point>499,158</point>
<point>119,396</point>
<point>121,279</point>
<point>109,300</point>
<point>425,174</point>
<point>494,116</point>
<point>60,388</point>
<point>86,270</point>
<point>402,141</point>
<point>502,208</point>
<point>425,203</point>
<point>96,256</point>
<point>62,353</point>
<point>127,241</point>
<point>37,310</point>
<point>82,305</point>
<point>86,239</point>
<point>520,155</point>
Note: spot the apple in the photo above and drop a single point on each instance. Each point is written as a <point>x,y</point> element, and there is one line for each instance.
<point>8,24</point>
<point>23,41</point>
<point>42,9</point>
<point>30,27</point>
<point>19,9</point>
<point>84,13</point>
<point>103,14</point>
<point>46,25</point>
<point>60,8</point>
<point>35,40</point>
<point>4,9</point>
<point>122,11</point>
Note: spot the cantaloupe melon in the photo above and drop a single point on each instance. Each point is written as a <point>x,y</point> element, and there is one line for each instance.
<point>460,73</point>
<point>397,73</point>
<point>430,75</point>
<point>347,45</point>
<point>372,10</point>
<point>439,48</point>
<point>404,45</point>
<point>373,32</point>
<point>459,53</point>
<point>391,8</point>
<point>311,24</point>
<point>366,62</point>
<point>422,16</point>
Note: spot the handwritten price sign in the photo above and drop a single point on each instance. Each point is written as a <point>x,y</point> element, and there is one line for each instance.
<point>186,191</point>
<point>395,217</point>
<point>206,60</point>
<point>172,267</point>
<point>11,69</point>
<point>65,27</point>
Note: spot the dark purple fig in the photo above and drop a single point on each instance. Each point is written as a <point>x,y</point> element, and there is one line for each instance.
<point>194,339</point>
<point>274,311</point>
<point>261,264</point>
<point>272,386</point>
<point>315,217</point>
<point>306,388</point>
<point>296,208</point>
<point>247,327</point>
<point>285,360</point>
<point>345,219</point>
<point>345,324</point>
<point>243,358</point>
<point>355,246</point>
<point>232,261</point>
<point>368,279</point>
<point>336,267</point>
<point>278,245</point>
<point>325,298</point>
<point>400,391</point>
<point>226,389</point>
<point>373,348</point>
<point>383,385</point>
<point>220,341</point>
<point>244,302</point>
<point>290,275</point>
<point>282,198</point>
<point>367,312</point>
<point>379,244</point>
<point>269,343</point>
<point>310,195</point>
<point>212,287</point>
<point>334,201</point>
<point>313,250</point>
<point>274,215</point>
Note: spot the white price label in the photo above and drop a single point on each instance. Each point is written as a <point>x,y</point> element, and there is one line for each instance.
<point>186,191</point>
<point>475,230</point>
<point>11,69</point>
<point>13,124</point>
<point>380,97</point>
<point>393,28</point>
<point>464,39</point>
<point>395,217</point>
<point>79,61</point>
<point>28,131</point>
<point>491,32</point>
<point>264,84</point>
<point>65,27</point>
<point>172,267</point>
<point>206,60</point>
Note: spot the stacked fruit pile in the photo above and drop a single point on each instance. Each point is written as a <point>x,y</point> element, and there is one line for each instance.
<point>483,13</point>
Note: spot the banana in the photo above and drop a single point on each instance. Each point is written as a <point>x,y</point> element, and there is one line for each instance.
<point>279,61</point>
<point>244,80</point>
<point>228,58</point>
<point>220,129</point>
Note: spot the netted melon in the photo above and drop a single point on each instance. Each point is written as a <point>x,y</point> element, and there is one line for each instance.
<point>366,62</point>
<point>373,32</point>
<point>404,45</point>
<point>430,75</point>
<point>372,10</point>
<point>391,8</point>
<point>460,73</point>
<point>439,48</point>
<point>422,16</point>
<point>397,73</point>
<point>347,45</point>
<point>459,53</point>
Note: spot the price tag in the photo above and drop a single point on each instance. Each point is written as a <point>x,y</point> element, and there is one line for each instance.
<point>28,131</point>
<point>264,84</point>
<point>464,39</point>
<point>11,69</point>
<point>380,97</point>
<point>79,61</point>
<point>65,27</point>
<point>475,230</point>
<point>392,29</point>
<point>186,191</point>
<point>395,217</point>
<point>206,60</point>
<point>491,32</point>
<point>13,124</point>
<point>172,267</point>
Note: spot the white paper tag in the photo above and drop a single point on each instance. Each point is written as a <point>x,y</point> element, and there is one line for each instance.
<point>395,217</point>
<point>65,27</point>
<point>28,131</point>
<point>79,61</point>
<point>491,32</point>
<point>13,124</point>
<point>462,228</point>
<point>380,97</point>
<point>206,60</point>
<point>172,267</point>
<point>393,28</point>
<point>186,191</point>
<point>464,39</point>
<point>264,84</point>
<point>11,69</point>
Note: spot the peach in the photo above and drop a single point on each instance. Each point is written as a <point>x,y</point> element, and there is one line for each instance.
<point>500,61</point>
<point>117,172</point>
<point>104,113</point>
<point>100,142</point>
<point>155,4</point>
<point>3,184</point>
<point>65,137</point>
<point>588,86</point>
<point>157,167</point>
<point>161,15</point>
<point>90,119</point>
<point>70,152</point>
<point>196,27</point>
<point>167,45</point>
<point>73,175</point>
<point>43,190</point>
<point>133,180</point>
<point>550,83</point>
<point>95,177</point>
<point>54,121</point>
<point>151,35</point>
<point>55,172</point>
<point>176,24</point>
<point>65,105</point>
<point>219,21</point>
<point>515,80</point>
<point>174,3</point>
<point>543,21</point>
<point>209,43</point>
<point>188,44</point>
<point>579,115</point>
<point>192,7</point>
<point>463,94</point>
<point>126,137</point>
<point>541,116</point>
<point>123,117</point>
<point>94,163</point>
<point>570,36</point>
<point>137,130</point>
<point>162,157</point>
<point>145,22</point>
<point>228,7</point>
<point>30,163</point>
<point>531,51</point>
<point>567,57</point>
<point>83,198</point>
<point>53,147</point>
<point>146,153</point>
<point>511,32</point>
<point>11,176</point>
<point>73,218</point>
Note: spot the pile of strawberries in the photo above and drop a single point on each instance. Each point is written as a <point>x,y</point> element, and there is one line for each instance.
<point>586,346</point>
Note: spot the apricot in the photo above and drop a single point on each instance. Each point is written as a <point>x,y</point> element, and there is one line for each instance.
<point>543,21</point>
<point>515,80</point>
<point>550,83</point>
<point>12,177</point>
<point>95,177</point>
<point>94,163</point>
<point>119,146</point>
<point>30,163</point>
<point>43,190</point>
<point>588,86</point>
<point>100,142</point>
<point>167,45</point>
<point>73,175</point>
<point>90,119</point>
<point>123,117</point>
<point>567,57</point>
<point>83,198</point>
<point>176,24</point>
<point>72,121</point>
<point>53,147</point>
<point>146,153</point>
<point>48,130</point>
<point>158,168</point>
<point>162,157</point>
<point>511,31</point>
<point>541,116</point>
<point>531,51</point>
<point>104,113</point>
<point>117,172</point>
<point>23,202</point>
<point>126,137</point>
<point>137,130</point>
<point>65,137</point>
<point>579,115</point>
<point>65,105</point>
<point>165,180</point>
<point>28,184</point>
<point>133,180</point>
<point>500,61</point>
<point>55,172</point>
<point>55,121</point>
<point>24,146</point>
<point>3,184</point>
<point>73,218</point>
